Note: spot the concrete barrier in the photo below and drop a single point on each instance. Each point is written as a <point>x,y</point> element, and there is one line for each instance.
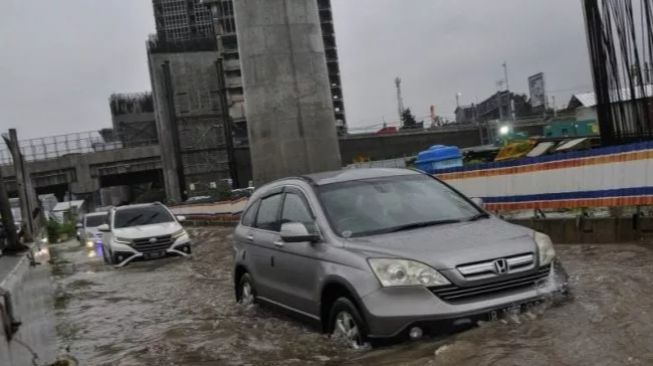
<point>27,321</point>
<point>592,230</point>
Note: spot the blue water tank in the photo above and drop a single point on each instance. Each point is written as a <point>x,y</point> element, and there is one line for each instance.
<point>439,157</point>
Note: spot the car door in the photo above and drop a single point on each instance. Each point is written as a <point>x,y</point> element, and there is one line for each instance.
<point>264,235</point>
<point>244,239</point>
<point>298,266</point>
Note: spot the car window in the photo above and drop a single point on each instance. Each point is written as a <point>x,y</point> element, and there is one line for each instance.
<point>268,213</point>
<point>382,205</point>
<point>144,215</point>
<point>250,215</point>
<point>96,220</point>
<point>295,210</point>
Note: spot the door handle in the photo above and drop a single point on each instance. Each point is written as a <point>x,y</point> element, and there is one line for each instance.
<point>278,243</point>
<point>250,237</point>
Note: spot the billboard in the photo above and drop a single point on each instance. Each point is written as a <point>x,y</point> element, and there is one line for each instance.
<point>538,90</point>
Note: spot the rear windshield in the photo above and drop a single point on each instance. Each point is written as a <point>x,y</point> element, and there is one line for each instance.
<point>95,220</point>
<point>138,216</point>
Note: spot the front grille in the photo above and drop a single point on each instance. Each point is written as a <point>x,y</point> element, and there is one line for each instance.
<point>487,269</point>
<point>453,293</point>
<point>145,245</point>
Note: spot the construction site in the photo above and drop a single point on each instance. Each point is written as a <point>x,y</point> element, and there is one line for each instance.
<point>245,93</point>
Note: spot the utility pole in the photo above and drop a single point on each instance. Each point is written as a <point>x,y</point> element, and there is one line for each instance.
<point>400,99</point>
<point>11,244</point>
<point>22,182</point>
<point>511,112</point>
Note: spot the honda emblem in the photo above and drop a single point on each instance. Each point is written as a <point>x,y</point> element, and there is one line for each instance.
<point>500,266</point>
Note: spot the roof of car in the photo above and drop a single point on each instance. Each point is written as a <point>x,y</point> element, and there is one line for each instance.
<point>356,174</point>
<point>139,205</point>
<point>92,214</point>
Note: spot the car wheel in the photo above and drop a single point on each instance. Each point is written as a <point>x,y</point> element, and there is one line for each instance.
<point>245,293</point>
<point>346,324</point>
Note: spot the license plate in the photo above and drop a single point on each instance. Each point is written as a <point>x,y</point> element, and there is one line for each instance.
<point>154,255</point>
<point>500,313</point>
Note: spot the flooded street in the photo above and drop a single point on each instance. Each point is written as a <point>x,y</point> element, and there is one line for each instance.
<point>182,312</point>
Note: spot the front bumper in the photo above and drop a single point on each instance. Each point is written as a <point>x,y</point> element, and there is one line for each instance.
<point>128,253</point>
<point>390,312</point>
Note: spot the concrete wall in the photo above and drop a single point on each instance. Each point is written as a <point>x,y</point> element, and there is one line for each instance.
<point>289,108</point>
<point>32,295</point>
<point>592,230</point>
<point>381,147</point>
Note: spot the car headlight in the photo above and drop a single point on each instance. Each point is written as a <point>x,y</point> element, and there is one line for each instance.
<point>544,248</point>
<point>179,234</point>
<point>122,241</point>
<point>401,272</point>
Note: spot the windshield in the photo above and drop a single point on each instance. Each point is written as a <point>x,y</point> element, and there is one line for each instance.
<point>389,204</point>
<point>95,220</point>
<point>137,216</point>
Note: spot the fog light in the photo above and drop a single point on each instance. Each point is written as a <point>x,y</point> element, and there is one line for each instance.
<point>187,249</point>
<point>89,244</point>
<point>415,333</point>
<point>120,258</point>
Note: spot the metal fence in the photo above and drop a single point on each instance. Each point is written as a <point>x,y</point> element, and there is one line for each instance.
<point>70,144</point>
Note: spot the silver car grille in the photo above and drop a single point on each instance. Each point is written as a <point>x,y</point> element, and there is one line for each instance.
<point>497,267</point>
<point>453,293</point>
<point>154,244</point>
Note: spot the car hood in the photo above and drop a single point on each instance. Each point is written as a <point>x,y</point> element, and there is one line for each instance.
<point>147,231</point>
<point>447,246</point>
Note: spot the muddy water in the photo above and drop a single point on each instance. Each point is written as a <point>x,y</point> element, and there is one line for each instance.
<point>182,312</point>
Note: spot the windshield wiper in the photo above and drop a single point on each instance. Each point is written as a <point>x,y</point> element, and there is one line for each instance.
<point>132,220</point>
<point>149,219</point>
<point>418,225</point>
<point>478,216</point>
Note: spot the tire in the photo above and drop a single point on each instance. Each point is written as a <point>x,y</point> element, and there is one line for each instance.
<point>346,324</point>
<point>246,292</point>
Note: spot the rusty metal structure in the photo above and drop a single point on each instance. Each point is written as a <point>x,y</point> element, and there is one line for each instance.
<point>620,40</point>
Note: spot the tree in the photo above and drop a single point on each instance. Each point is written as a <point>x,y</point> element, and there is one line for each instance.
<point>408,119</point>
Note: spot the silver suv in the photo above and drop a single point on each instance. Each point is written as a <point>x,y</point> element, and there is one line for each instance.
<point>144,231</point>
<point>385,253</point>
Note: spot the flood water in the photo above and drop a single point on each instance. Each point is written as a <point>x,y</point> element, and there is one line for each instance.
<point>180,311</point>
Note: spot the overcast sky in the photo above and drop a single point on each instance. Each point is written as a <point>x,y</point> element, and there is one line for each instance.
<point>62,59</point>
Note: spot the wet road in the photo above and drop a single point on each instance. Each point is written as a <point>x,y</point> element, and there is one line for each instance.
<point>182,312</point>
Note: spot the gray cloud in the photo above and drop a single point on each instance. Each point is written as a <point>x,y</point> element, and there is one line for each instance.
<point>441,47</point>
<point>62,59</point>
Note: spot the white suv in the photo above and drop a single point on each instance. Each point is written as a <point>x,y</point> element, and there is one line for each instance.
<point>145,231</point>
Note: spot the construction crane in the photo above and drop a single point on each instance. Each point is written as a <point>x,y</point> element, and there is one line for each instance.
<point>400,99</point>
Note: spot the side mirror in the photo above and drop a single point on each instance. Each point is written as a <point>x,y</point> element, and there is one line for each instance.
<point>297,232</point>
<point>79,225</point>
<point>478,202</point>
<point>181,218</point>
<point>104,228</point>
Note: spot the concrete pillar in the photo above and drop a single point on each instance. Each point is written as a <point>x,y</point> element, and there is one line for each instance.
<point>292,128</point>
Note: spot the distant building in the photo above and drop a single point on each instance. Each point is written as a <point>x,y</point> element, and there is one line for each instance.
<point>496,107</point>
<point>182,20</point>
<point>133,119</point>
<point>584,105</point>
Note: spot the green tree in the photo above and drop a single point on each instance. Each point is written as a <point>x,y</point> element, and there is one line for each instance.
<point>408,119</point>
